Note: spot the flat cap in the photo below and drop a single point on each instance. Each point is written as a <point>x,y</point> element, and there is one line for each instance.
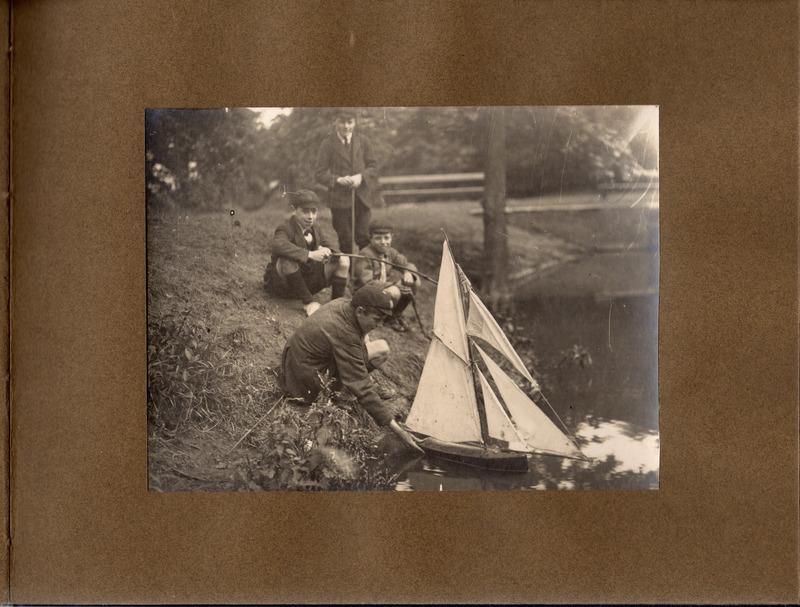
<point>303,198</point>
<point>344,113</point>
<point>380,226</point>
<point>371,296</point>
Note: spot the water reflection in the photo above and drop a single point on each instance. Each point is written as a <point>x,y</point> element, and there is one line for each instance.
<point>633,449</point>
<point>621,458</point>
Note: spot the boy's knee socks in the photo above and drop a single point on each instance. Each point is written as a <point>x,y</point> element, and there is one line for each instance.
<point>338,284</point>
<point>401,305</point>
<point>298,287</point>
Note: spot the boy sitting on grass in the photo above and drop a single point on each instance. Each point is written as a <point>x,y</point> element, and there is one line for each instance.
<point>395,279</point>
<point>304,261</point>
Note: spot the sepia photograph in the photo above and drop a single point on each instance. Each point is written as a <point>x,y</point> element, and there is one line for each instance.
<point>388,249</point>
<point>402,298</point>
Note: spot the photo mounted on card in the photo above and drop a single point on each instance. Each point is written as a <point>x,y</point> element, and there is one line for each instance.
<point>402,298</point>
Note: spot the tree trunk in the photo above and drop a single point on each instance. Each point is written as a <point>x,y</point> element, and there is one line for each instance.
<point>495,238</point>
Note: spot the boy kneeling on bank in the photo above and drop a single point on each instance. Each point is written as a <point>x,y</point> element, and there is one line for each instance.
<point>334,341</point>
<point>304,260</point>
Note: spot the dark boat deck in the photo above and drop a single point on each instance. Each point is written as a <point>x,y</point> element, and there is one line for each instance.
<point>475,455</point>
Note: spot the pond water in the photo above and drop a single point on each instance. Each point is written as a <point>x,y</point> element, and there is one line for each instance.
<point>591,327</point>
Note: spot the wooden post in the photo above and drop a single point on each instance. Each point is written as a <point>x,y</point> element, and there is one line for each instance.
<point>495,232</point>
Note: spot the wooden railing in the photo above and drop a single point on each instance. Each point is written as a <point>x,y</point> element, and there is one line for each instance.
<point>627,186</point>
<point>432,188</point>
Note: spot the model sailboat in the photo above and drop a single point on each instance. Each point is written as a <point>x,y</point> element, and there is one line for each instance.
<point>456,409</point>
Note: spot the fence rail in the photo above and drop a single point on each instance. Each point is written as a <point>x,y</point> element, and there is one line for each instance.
<point>432,188</point>
<point>627,186</point>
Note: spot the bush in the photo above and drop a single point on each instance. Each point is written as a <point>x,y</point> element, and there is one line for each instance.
<point>323,446</point>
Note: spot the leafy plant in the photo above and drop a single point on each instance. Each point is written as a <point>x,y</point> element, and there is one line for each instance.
<point>323,446</point>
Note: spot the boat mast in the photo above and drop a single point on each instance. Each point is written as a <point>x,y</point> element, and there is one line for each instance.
<point>464,289</point>
<point>479,397</point>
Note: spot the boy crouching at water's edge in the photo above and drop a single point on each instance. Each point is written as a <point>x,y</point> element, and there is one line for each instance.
<point>304,260</point>
<point>393,277</point>
<point>334,341</point>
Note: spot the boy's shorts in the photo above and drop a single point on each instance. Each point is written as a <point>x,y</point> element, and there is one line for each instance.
<point>313,273</point>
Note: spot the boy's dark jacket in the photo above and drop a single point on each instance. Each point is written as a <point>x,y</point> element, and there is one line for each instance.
<point>334,160</point>
<point>288,241</point>
<point>331,340</point>
<point>368,271</point>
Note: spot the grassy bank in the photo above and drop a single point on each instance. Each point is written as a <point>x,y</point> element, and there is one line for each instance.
<point>216,417</point>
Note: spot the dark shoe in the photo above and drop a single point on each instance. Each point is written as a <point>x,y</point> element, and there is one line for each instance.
<point>398,324</point>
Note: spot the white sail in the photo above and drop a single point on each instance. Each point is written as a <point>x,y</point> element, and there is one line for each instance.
<point>482,324</point>
<point>445,406</point>
<point>497,421</point>
<point>539,432</point>
<point>448,313</point>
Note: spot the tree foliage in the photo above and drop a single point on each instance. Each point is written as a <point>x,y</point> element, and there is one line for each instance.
<point>202,159</point>
<point>205,159</point>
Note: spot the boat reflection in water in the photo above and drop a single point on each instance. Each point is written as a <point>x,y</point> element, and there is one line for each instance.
<point>621,457</point>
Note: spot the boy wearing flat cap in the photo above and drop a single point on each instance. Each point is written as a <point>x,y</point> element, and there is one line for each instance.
<point>393,277</point>
<point>333,341</point>
<point>346,165</point>
<point>304,260</point>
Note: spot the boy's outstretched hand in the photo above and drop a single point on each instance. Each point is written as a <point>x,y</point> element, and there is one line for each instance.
<point>406,437</point>
<point>322,254</point>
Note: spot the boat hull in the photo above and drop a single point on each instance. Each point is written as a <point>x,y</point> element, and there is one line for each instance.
<point>474,455</point>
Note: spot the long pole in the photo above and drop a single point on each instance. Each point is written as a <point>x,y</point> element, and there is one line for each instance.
<point>353,195</point>
<point>416,313</point>
<point>353,221</point>
<point>388,263</point>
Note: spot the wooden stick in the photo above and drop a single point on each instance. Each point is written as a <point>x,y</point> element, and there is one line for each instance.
<point>353,220</point>
<point>254,425</point>
<point>416,313</point>
<point>394,265</point>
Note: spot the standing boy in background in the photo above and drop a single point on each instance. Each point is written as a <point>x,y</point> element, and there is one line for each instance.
<point>304,259</point>
<point>395,279</point>
<point>347,168</point>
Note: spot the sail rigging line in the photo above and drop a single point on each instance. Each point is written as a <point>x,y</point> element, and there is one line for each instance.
<point>571,435</point>
<point>451,349</point>
<point>497,410</point>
